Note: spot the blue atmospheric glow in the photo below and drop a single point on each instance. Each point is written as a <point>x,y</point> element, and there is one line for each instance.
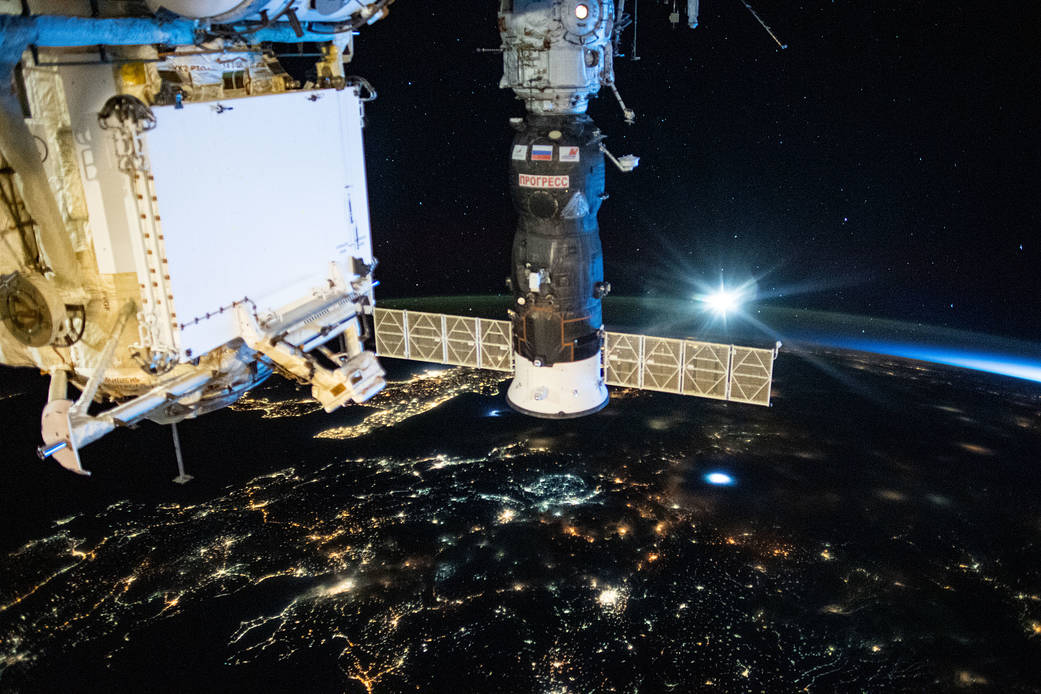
<point>719,479</point>
<point>989,363</point>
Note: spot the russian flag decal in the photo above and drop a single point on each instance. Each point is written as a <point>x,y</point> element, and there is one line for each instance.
<point>542,152</point>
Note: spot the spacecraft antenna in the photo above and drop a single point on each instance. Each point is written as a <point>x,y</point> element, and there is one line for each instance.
<point>763,24</point>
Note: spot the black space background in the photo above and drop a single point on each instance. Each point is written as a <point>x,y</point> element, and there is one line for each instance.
<point>885,164</point>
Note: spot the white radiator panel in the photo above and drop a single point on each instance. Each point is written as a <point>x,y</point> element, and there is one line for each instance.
<point>256,200</point>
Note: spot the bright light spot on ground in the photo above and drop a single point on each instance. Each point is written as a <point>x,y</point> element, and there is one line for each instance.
<point>613,600</point>
<point>719,478</point>
<point>343,586</point>
<point>432,373</point>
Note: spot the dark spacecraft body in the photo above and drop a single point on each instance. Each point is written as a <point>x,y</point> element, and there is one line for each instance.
<point>557,185</point>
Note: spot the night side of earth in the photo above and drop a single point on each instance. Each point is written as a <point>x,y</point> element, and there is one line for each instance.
<point>876,529</point>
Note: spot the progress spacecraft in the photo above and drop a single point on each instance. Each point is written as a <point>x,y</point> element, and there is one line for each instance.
<point>126,126</point>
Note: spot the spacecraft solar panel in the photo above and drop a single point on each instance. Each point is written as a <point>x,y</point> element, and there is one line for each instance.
<point>662,364</point>
<point>461,346</point>
<point>390,333</point>
<point>689,367</point>
<point>444,339</point>
<point>706,368</point>
<point>426,337</point>
<point>496,344</point>
<point>751,373</point>
<point>668,365</point>
<point>623,359</point>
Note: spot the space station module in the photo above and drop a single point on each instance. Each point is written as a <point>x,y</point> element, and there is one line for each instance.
<point>169,247</point>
